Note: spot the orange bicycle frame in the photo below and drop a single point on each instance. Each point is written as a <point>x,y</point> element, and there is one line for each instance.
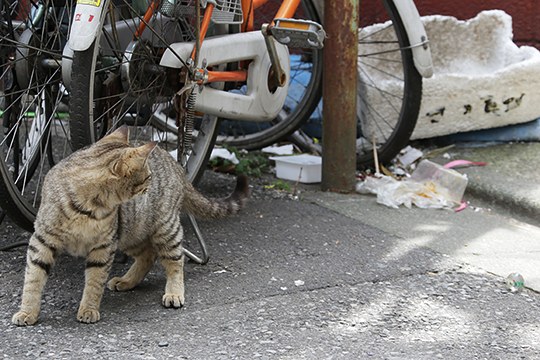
<point>286,10</point>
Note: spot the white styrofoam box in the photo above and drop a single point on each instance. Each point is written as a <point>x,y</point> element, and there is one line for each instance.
<point>304,168</point>
<point>481,80</point>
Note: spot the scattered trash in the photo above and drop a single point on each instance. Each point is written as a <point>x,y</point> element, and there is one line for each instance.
<point>463,163</point>
<point>412,179</point>
<point>409,155</point>
<point>303,168</point>
<point>515,282</point>
<point>393,193</point>
<point>287,149</point>
<point>224,154</point>
<point>447,182</point>
<point>431,186</point>
<point>462,207</point>
<point>298,283</point>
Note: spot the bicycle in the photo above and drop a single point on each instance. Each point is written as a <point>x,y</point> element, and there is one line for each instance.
<point>118,80</point>
<point>393,58</point>
<point>158,52</point>
<point>44,136</point>
<point>402,43</point>
<point>33,101</point>
<point>388,131</point>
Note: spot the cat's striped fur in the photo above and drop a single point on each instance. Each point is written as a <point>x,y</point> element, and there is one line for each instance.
<point>113,195</point>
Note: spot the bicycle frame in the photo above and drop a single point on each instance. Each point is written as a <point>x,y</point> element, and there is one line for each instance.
<point>286,10</point>
<point>260,103</point>
<point>88,14</point>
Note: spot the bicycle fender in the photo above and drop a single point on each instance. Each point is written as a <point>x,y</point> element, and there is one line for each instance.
<point>86,23</point>
<point>417,35</point>
<point>67,61</point>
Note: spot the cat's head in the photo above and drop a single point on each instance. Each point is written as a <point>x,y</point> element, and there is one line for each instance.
<point>118,168</point>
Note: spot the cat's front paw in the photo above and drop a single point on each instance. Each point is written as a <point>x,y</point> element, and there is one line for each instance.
<point>119,284</point>
<point>88,316</point>
<point>24,319</point>
<point>173,300</point>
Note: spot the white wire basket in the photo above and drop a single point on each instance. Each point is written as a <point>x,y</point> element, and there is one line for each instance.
<point>225,11</point>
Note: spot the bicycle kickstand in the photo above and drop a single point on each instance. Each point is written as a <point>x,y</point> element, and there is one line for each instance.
<point>200,239</point>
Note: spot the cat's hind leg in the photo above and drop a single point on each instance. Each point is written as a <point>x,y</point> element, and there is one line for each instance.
<point>40,258</point>
<point>144,259</point>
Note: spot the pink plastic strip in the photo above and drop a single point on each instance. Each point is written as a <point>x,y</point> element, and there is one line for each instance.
<point>461,207</point>
<point>463,163</point>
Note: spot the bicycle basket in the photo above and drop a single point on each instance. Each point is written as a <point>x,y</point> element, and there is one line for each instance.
<point>225,11</point>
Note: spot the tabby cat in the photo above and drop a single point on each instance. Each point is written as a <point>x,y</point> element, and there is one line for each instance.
<point>113,195</point>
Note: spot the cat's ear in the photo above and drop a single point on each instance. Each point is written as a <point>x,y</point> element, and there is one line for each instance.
<point>119,135</point>
<point>133,159</point>
<point>144,151</point>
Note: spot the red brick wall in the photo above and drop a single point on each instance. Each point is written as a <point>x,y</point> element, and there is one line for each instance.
<point>525,14</point>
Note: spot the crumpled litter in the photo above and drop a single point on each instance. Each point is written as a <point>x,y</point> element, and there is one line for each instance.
<point>286,149</point>
<point>216,153</point>
<point>409,155</point>
<point>430,187</point>
<point>224,154</point>
<point>393,193</point>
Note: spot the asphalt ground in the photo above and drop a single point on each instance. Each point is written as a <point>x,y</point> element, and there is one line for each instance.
<point>313,276</point>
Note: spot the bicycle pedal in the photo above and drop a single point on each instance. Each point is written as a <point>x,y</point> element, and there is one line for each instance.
<point>297,33</point>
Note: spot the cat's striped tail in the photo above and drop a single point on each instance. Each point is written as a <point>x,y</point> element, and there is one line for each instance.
<point>203,207</point>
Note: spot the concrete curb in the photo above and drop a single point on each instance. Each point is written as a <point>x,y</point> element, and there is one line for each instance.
<point>503,199</point>
<point>510,180</point>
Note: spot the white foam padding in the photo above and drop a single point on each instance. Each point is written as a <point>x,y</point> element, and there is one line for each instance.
<point>482,79</point>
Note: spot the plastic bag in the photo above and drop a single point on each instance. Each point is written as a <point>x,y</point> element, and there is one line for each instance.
<point>432,188</point>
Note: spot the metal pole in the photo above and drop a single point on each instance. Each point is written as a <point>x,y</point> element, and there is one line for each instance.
<point>339,95</point>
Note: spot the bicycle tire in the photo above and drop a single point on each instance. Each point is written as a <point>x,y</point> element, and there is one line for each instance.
<point>133,96</point>
<point>389,101</point>
<point>33,135</point>
<point>399,135</point>
<point>303,97</point>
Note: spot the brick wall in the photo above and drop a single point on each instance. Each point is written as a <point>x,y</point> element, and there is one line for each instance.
<point>525,14</point>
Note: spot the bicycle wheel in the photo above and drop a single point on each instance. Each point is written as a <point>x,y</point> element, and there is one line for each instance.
<point>118,81</point>
<point>389,88</point>
<point>33,103</point>
<point>303,96</point>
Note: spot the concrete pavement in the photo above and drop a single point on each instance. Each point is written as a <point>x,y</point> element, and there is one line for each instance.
<point>499,231</point>
<point>327,276</point>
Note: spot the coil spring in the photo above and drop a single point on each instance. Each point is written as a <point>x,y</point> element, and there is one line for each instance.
<point>189,120</point>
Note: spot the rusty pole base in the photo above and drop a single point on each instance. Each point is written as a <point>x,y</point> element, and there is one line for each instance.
<point>339,94</point>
